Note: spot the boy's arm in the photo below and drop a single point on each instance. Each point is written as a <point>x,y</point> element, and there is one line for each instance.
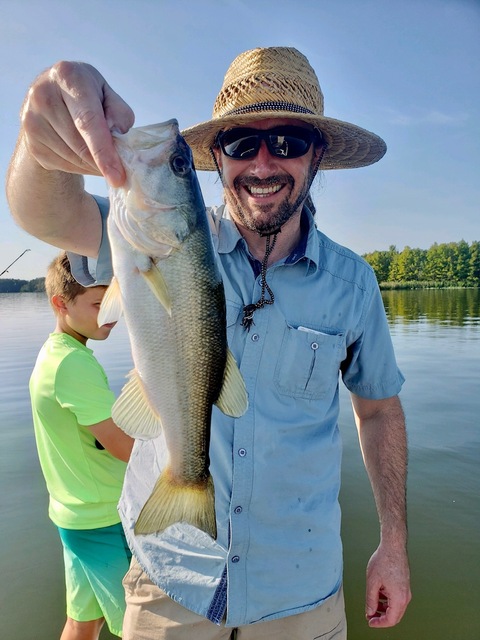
<point>66,121</point>
<point>115,441</point>
<point>382,434</point>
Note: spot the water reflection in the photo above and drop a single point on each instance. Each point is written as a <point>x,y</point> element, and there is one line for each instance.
<point>457,307</point>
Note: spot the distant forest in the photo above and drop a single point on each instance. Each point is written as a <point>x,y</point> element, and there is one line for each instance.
<point>8,285</point>
<point>452,264</point>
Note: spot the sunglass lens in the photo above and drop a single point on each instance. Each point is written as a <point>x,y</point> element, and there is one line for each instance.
<point>240,145</point>
<point>287,146</point>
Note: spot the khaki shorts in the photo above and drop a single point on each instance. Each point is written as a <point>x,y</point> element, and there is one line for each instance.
<point>152,615</point>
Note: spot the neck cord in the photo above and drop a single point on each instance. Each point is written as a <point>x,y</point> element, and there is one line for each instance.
<point>249,309</point>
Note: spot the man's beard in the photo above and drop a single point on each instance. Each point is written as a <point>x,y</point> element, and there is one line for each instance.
<point>272,220</point>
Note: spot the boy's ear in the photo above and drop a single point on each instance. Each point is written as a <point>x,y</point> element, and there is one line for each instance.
<point>58,304</point>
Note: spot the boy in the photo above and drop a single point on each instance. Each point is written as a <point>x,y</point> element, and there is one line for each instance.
<point>82,454</point>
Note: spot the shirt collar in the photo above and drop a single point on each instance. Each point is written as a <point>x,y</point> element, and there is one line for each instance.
<point>306,249</point>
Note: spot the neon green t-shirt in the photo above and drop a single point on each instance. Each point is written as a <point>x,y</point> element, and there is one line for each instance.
<point>69,392</point>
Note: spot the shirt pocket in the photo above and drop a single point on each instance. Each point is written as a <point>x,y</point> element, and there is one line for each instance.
<point>309,362</point>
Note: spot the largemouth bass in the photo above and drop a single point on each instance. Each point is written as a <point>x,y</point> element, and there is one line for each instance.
<point>169,288</point>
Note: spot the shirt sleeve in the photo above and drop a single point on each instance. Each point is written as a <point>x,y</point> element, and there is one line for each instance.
<point>87,271</point>
<point>82,387</point>
<point>370,369</point>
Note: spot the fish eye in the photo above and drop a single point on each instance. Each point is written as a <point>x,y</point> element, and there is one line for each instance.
<point>180,164</point>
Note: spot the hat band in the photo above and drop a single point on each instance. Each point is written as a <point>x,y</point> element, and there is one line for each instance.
<point>269,106</point>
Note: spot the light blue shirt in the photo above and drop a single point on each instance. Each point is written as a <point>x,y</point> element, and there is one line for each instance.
<point>276,469</point>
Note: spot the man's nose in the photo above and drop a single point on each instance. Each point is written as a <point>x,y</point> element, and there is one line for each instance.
<point>263,161</point>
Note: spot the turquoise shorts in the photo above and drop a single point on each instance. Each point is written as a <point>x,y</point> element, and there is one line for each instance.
<point>96,561</point>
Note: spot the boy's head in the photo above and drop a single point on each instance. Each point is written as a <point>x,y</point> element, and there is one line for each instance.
<point>76,307</point>
<point>60,282</point>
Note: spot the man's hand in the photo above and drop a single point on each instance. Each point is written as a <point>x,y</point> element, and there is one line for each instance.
<point>67,117</point>
<point>388,587</point>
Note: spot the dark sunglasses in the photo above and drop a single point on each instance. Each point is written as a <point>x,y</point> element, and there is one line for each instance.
<point>286,141</point>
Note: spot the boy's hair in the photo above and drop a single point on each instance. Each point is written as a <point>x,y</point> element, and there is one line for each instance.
<point>59,280</point>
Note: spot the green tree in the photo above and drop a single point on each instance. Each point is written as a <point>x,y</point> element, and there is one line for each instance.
<point>380,263</point>
<point>409,265</point>
<point>36,285</point>
<point>438,265</point>
<point>10,285</point>
<point>462,266</point>
<point>473,278</point>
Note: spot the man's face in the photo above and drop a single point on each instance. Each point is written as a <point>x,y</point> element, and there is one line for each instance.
<point>264,192</point>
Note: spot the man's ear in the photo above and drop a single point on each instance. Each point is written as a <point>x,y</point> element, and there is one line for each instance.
<point>58,303</point>
<point>318,154</point>
<point>217,152</point>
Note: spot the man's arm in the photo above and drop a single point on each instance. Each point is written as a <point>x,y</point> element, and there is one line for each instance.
<point>66,121</point>
<point>52,205</point>
<point>382,434</point>
<point>113,439</point>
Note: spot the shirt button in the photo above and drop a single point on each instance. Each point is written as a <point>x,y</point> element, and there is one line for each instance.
<point>314,345</point>
<point>238,510</point>
<point>255,337</point>
<point>242,453</point>
<point>235,559</point>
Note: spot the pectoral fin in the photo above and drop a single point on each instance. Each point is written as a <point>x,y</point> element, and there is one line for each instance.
<point>133,413</point>
<point>156,282</point>
<point>233,400</point>
<point>111,307</point>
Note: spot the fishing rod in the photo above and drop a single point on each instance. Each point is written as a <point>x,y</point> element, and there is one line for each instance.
<point>6,270</point>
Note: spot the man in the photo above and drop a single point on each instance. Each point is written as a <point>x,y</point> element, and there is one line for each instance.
<point>300,309</point>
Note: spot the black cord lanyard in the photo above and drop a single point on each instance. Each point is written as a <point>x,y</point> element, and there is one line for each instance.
<point>250,309</point>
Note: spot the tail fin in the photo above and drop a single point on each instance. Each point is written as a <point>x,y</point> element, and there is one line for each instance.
<point>171,502</point>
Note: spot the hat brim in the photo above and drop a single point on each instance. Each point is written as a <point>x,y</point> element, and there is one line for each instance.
<point>349,146</point>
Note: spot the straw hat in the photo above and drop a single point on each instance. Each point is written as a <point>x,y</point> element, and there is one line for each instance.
<point>278,82</point>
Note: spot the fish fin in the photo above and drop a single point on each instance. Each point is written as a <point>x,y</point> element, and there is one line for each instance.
<point>133,413</point>
<point>157,284</point>
<point>111,307</point>
<point>233,400</point>
<point>171,502</point>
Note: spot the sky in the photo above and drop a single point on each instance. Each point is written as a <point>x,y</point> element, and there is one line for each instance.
<point>408,70</point>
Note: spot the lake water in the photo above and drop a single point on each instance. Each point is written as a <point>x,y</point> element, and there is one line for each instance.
<point>437,340</point>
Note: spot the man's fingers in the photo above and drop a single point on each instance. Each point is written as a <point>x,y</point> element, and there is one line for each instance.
<point>68,160</point>
<point>97,143</point>
<point>383,611</point>
<point>95,109</point>
<point>68,116</point>
<point>54,152</point>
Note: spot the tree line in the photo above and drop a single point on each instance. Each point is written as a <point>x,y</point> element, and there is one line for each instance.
<point>11,285</point>
<point>452,264</point>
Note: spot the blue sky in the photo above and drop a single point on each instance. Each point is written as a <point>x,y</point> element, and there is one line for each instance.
<point>409,70</point>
